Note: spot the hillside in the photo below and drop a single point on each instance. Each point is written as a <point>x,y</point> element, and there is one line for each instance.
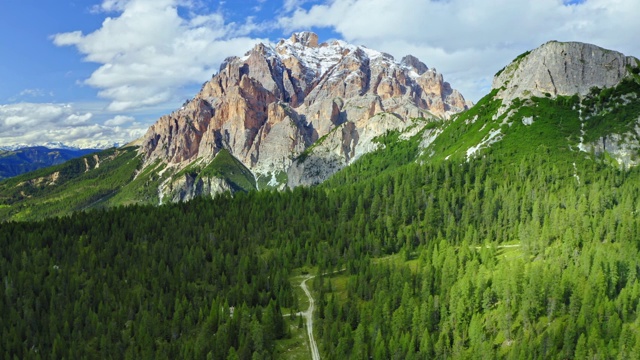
<point>79,184</point>
<point>593,117</point>
<point>445,260</point>
<point>20,161</point>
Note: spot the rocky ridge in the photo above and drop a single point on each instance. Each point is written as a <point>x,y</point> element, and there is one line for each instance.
<point>269,106</point>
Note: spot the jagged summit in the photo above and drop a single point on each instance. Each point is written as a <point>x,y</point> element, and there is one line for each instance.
<point>269,106</point>
<point>562,68</point>
<point>414,63</point>
<point>306,38</point>
<point>303,58</point>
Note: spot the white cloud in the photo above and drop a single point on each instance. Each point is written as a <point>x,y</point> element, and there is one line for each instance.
<point>35,93</point>
<point>148,51</point>
<point>290,5</point>
<point>78,119</point>
<point>119,120</point>
<point>42,123</point>
<point>469,40</point>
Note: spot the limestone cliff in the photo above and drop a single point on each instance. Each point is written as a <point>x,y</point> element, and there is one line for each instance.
<point>561,68</point>
<point>344,145</point>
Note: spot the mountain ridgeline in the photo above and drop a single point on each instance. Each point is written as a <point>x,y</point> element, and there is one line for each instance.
<point>507,230</point>
<point>296,112</point>
<point>26,159</point>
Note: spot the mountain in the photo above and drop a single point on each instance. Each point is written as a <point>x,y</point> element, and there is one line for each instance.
<point>22,160</point>
<point>84,144</point>
<point>253,127</point>
<point>285,114</point>
<point>562,68</point>
<point>567,99</point>
<point>283,106</point>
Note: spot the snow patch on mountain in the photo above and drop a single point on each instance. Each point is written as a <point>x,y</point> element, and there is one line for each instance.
<point>493,137</point>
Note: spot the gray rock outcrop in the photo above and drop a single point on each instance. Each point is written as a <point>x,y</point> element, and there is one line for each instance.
<point>415,63</point>
<point>562,68</point>
<point>342,147</point>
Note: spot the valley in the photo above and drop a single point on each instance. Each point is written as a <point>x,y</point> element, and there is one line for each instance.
<point>504,230</point>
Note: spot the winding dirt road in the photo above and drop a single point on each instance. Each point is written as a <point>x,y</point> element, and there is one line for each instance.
<point>315,354</point>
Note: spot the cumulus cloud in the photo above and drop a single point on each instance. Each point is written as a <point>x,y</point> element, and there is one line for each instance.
<point>469,40</point>
<point>150,49</point>
<point>44,123</point>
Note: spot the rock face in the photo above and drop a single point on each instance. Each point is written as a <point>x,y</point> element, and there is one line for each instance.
<point>343,146</point>
<point>562,68</point>
<point>267,107</point>
<point>621,147</point>
<point>188,186</point>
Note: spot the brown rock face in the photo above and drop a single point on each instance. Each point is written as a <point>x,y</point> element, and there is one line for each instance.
<point>177,138</point>
<point>267,107</point>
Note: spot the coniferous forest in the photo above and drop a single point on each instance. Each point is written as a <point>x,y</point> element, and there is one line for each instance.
<point>457,259</point>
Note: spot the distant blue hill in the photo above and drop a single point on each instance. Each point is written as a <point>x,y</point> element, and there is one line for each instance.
<point>16,162</point>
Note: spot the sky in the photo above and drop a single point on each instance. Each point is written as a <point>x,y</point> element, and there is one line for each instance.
<point>90,73</point>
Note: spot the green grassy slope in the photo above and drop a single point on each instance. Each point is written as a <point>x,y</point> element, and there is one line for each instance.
<point>225,166</point>
<point>80,185</point>
<point>551,126</point>
<point>142,189</point>
<point>75,185</point>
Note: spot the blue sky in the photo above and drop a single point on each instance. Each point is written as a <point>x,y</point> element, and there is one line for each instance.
<point>95,72</point>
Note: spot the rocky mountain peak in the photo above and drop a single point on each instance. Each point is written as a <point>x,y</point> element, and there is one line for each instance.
<point>269,106</point>
<point>305,38</point>
<point>562,68</point>
<point>414,63</point>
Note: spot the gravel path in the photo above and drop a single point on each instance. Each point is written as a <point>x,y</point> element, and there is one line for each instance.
<point>315,354</point>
